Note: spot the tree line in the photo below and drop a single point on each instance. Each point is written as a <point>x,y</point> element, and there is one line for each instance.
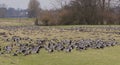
<point>12,12</point>
<point>76,12</point>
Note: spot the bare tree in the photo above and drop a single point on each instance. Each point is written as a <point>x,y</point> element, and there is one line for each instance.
<point>82,12</point>
<point>3,10</point>
<point>33,8</point>
<point>90,12</point>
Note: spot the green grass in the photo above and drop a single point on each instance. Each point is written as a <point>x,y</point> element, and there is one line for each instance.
<point>107,56</point>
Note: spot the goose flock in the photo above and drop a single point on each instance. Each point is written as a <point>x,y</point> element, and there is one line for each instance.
<point>14,44</point>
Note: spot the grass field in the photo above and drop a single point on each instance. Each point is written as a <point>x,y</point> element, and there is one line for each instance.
<point>106,56</point>
<point>15,21</point>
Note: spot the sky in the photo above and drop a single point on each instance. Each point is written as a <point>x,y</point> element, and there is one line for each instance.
<point>23,4</point>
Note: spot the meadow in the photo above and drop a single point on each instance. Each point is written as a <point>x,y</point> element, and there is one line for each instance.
<point>25,28</point>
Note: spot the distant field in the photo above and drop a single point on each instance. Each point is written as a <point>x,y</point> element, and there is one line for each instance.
<point>16,21</point>
<point>25,28</point>
<point>30,21</point>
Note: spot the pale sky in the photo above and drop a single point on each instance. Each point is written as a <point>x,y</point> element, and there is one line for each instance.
<point>45,4</point>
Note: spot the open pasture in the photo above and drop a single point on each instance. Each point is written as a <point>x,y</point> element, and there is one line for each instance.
<point>16,21</point>
<point>59,45</point>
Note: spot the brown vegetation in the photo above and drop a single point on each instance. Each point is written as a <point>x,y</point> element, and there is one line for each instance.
<point>91,12</point>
